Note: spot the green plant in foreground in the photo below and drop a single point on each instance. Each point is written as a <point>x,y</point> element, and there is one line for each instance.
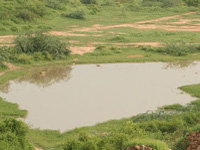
<point>13,135</point>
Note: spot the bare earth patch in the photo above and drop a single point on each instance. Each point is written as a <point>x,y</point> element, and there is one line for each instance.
<point>38,148</point>
<point>82,50</point>
<point>135,56</point>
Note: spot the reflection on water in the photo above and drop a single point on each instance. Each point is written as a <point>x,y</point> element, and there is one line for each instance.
<point>47,76</point>
<point>180,64</point>
<point>43,76</point>
<point>66,98</point>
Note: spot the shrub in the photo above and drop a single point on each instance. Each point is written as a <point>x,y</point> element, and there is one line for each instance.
<point>26,15</point>
<point>72,145</point>
<point>193,2</point>
<point>77,14</point>
<point>172,3</point>
<point>5,53</point>
<point>50,46</point>
<point>23,58</point>
<point>89,1</point>
<point>55,4</point>
<point>178,49</point>
<point>89,145</point>
<point>13,135</point>
<point>119,39</point>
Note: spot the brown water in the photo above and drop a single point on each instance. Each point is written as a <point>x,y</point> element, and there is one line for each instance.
<point>83,95</point>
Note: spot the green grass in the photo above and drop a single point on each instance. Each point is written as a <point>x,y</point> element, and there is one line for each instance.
<point>193,90</point>
<point>10,110</point>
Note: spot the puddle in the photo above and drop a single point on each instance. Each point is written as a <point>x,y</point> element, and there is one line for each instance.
<point>64,98</point>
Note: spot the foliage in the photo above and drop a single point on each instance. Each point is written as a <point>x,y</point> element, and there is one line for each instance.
<point>192,89</point>
<point>89,1</point>
<point>13,135</point>
<point>77,14</point>
<point>195,3</point>
<point>49,46</point>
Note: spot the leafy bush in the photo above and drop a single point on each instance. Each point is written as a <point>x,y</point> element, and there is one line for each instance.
<point>195,3</point>
<point>13,135</point>
<point>77,14</point>
<point>23,58</point>
<point>172,3</point>
<point>55,4</point>
<point>72,145</point>
<point>5,53</point>
<point>48,45</point>
<point>89,145</point>
<point>119,39</point>
<point>175,49</point>
<point>89,1</point>
<point>26,15</point>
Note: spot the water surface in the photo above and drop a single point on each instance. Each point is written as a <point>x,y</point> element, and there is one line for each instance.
<point>83,95</point>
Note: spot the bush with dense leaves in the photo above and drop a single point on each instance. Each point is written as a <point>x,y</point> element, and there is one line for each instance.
<point>89,1</point>
<point>49,46</point>
<point>76,14</point>
<point>13,135</point>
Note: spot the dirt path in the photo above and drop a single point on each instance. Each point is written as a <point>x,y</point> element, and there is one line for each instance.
<point>10,66</point>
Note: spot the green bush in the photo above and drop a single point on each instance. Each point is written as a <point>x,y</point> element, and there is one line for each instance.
<point>26,15</point>
<point>72,145</point>
<point>13,135</point>
<point>50,46</point>
<point>5,53</point>
<point>89,1</point>
<point>23,58</point>
<point>54,4</point>
<point>178,49</point>
<point>89,145</point>
<point>172,3</point>
<point>195,3</point>
<point>77,14</point>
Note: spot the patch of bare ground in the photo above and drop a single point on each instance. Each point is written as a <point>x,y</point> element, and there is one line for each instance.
<point>184,21</point>
<point>82,50</point>
<point>73,41</point>
<point>135,56</point>
<point>38,148</point>
<point>10,66</point>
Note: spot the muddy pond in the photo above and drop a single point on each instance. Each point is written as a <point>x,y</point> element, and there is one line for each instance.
<point>64,98</point>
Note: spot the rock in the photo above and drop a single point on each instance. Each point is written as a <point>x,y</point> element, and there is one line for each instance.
<point>98,65</point>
